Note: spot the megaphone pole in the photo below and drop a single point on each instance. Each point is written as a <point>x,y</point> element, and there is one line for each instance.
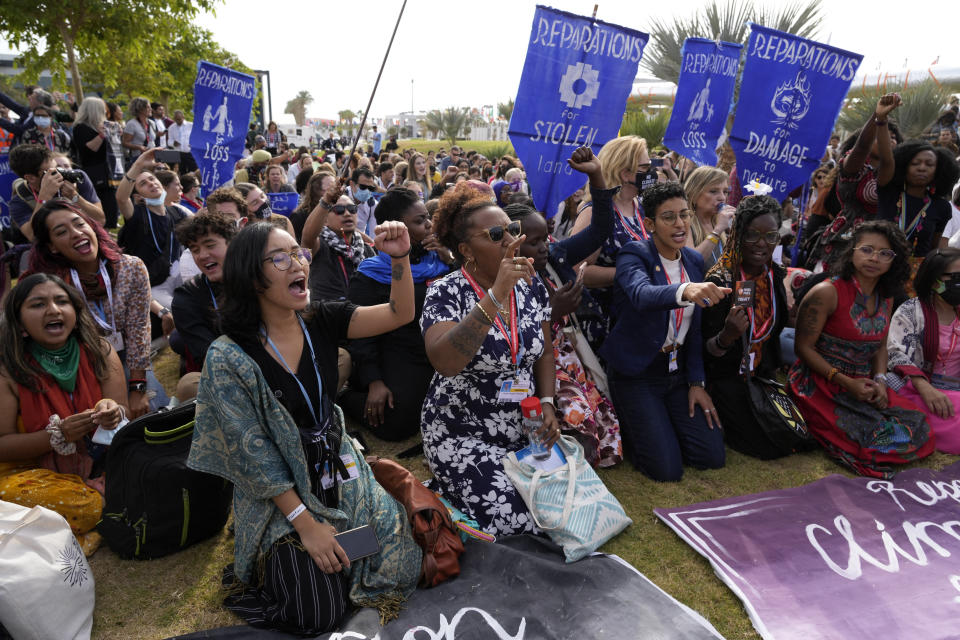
<point>363,120</point>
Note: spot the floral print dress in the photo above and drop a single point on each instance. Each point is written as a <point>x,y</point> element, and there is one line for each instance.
<point>466,430</point>
<point>866,439</point>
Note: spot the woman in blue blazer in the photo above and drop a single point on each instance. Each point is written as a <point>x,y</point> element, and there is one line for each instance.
<point>654,353</point>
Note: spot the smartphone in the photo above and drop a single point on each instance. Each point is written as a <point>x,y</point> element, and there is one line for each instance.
<point>656,163</point>
<point>580,273</point>
<point>746,293</point>
<point>167,156</point>
<point>359,543</point>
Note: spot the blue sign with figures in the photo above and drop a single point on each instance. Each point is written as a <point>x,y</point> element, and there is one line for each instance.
<point>790,95</point>
<point>222,103</point>
<point>575,83</point>
<point>708,74</point>
<point>284,203</point>
<point>7,178</point>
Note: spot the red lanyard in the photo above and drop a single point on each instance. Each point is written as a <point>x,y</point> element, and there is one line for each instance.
<point>629,228</point>
<point>512,338</point>
<point>678,314</point>
<point>343,267</point>
<point>760,334</point>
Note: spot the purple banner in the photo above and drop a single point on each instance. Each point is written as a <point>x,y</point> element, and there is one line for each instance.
<point>839,558</point>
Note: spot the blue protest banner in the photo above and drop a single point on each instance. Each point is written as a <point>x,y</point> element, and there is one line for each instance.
<point>707,76</point>
<point>573,90</point>
<point>790,95</point>
<point>284,203</point>
<point>7,178</point>
<point>222,103</point>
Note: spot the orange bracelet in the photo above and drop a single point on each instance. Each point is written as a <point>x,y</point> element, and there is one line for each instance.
<point>832,373</point>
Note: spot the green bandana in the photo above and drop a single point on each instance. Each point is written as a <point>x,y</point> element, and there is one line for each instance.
<point>61,363</point>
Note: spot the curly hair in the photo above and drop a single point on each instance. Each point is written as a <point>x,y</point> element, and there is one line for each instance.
<point>749,209</point>
<point>659,193</point>
<point>14,347</point>
<point>943,179</point>
<point>193,228</point>
<point>227,194</point>
<point>451,222</point>
<point>891,283</point>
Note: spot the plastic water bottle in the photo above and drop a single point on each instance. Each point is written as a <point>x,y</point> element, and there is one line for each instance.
<point>532,421</point>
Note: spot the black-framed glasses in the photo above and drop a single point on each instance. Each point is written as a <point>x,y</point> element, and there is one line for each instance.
<point>883,255</point>
<point>753,236</point>
<point>671,217</point>
<point>496,233</point>
<point>283,259</point>
<point>340,209</point>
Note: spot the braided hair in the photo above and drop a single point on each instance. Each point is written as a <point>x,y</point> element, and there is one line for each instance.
<point>749,209</point>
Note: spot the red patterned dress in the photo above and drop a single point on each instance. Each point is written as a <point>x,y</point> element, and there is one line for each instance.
<point>867,439</point>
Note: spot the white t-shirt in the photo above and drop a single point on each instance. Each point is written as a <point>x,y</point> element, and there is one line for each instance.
<point>673,270</point>
<point>952,230</point>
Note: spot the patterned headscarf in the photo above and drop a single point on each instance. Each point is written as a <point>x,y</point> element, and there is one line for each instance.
<point>750,208</point>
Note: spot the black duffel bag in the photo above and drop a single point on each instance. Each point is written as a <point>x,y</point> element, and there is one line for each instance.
<point>155,504</point>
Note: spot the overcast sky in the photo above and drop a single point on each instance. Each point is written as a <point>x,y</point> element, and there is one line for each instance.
<point>462,53</point>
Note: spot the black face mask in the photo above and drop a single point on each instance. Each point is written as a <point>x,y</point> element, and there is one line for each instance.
<point>264,211</point>
<point>646,180</point>
<point>949,290</point>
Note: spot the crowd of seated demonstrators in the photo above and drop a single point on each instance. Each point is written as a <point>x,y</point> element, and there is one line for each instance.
<point>412,292</point>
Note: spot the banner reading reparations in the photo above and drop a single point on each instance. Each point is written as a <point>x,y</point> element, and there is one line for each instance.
<point>575,83</point>
<point>708,74</point>
<point>222,102</point>
<point>839,558</point>
<point>790,95</point>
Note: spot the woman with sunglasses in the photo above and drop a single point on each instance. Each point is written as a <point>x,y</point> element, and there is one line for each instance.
<point>839,379</point>
<point>330,232</point>
<point>486,327</point>
<point>923,359</point>
<point>654,351</point>
<point>266,422</point>
<point>744,340</point>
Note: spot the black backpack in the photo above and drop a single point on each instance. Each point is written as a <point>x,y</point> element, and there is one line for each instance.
<point>155,504</point>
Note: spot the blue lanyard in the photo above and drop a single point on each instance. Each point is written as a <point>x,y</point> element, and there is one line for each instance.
<point>213,298</point>
<point>293,372</point>
<point>155,243</point>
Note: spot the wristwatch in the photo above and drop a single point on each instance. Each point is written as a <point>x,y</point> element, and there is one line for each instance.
<point>698,383</point>
<point>137,386</point>
<point>163,312</point>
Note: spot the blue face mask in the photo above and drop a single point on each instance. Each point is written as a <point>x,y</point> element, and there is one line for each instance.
<point>154,202</point>
<point>362,195</point>
<point>42,121</point>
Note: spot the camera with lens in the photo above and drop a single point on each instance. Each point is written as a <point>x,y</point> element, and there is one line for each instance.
<point>71,175</point>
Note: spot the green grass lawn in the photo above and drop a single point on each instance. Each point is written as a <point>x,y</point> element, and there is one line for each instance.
<point>179,593</point>
<point>489,148</point>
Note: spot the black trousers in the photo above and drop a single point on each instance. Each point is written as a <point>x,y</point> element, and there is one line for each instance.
<point>409,384</point>
<point>296,596</point>
<point>108,200</point>
<point>740,428</point>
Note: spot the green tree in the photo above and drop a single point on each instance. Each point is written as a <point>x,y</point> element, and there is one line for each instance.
<point>728,21</point>
<point>451,123</point>
<point>346,116</point>
<point>922,104</point>
<point>59,35</point>
<point>505,109</point>
<point>649,126</point>
<point>297,107</point>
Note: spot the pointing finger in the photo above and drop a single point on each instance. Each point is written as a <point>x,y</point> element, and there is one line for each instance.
<point>513,246</point>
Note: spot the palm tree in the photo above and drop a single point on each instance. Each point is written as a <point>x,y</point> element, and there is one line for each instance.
<point>453,122</point>
<point>649,126</point>
<point>505,109</point>
<point>922,104</point>
<point>346,116</point>
<point>727,22</point>
<point>433,122</point>
<point>298,107</point>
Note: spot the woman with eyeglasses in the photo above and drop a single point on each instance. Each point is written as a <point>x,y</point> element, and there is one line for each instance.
<point>654,352</point>
<point>839,380</point>
<point>923,359</point>
<point>266,421</point>
<point>743,340</point>
<point>486,328</point>
<point>330,232</point>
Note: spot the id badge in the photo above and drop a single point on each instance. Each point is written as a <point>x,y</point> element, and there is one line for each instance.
<point>514,390</point>
<point>326,480</point>
<point>673,366</point>
<point>116,341</point>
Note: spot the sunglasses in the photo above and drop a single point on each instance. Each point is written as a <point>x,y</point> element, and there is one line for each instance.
<point>770,237</point>
<point>496,233</point>
<point>883,255</point>
<point>340,209</point>
<point>283,259</point>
